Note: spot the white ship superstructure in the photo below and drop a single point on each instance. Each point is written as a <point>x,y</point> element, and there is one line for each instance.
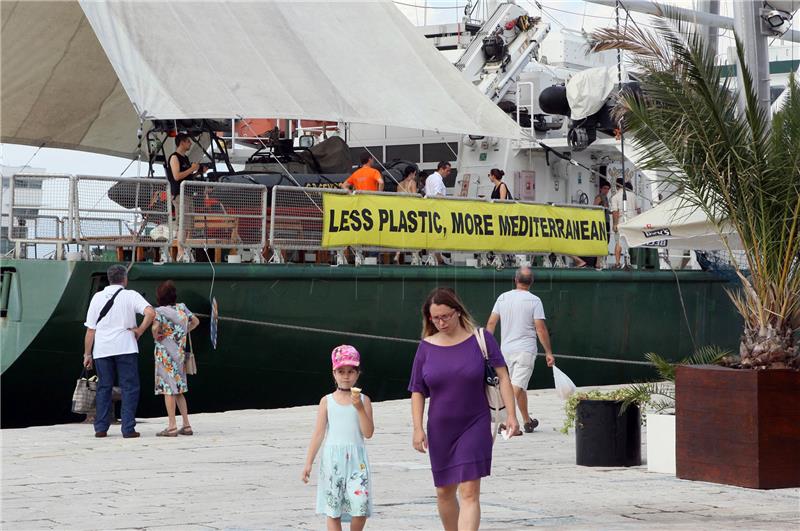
<point>510,62</point>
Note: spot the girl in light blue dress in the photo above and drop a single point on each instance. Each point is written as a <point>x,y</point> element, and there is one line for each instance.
<point>344,420</point>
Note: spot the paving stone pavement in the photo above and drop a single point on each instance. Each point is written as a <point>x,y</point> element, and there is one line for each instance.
<point>241,470</point>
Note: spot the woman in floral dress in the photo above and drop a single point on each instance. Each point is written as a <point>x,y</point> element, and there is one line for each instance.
<point>170,330</point>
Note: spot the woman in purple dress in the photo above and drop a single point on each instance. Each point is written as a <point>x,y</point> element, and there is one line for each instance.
<point>449,368</point>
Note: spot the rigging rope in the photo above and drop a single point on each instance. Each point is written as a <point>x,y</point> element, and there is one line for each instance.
<point>417,6</point>
<point>393,339</point>
<point>38,149</point>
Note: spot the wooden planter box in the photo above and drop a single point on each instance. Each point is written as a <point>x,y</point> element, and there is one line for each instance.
<point>738,427</point>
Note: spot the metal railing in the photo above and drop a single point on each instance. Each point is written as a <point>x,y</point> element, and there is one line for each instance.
<point>223,216</point>
<point>521,85</point>
<point>122,211</point>
<point>57,210</point>
<point>38,203</point>
<point>296,223</point>
<point>114,212</point>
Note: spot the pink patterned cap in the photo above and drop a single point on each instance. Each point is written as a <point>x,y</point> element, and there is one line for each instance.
<point>345,355</point>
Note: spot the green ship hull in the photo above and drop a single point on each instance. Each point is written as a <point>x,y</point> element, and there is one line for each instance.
<point>278,324</point>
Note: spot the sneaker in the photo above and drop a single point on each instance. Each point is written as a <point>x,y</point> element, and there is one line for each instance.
<point>530,425</point>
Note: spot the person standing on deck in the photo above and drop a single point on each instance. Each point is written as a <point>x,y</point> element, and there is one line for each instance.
<point>522,316</point>
<point>434,183</point>
<point>111,346</point>
<point>365,178</point>
<point>434,186</point>
<point>179,168</point>
<point>407,186</point>
<point>619,215</point>
<point>601,199</point>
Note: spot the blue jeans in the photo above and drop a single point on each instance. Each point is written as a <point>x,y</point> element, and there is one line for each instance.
<point>126,368</point>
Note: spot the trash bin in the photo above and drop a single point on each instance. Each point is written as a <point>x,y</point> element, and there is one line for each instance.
<point>603,437</point>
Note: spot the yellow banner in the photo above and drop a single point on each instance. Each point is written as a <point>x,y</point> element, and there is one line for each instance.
<point>453,225</point>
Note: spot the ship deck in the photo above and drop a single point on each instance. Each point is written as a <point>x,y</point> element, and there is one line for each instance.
<point>241,470</point>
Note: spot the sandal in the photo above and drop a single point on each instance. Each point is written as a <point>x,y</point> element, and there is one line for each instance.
<point>186,430</point>
<point>168,432</point>
<point>502,427</point>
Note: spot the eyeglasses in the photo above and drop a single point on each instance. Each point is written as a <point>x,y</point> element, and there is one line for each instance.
<point>443,318</point>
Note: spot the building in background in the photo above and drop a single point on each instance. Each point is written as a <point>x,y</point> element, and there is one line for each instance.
<point>31,196</point>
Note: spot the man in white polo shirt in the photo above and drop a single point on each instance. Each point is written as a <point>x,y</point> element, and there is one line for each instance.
<point>111,345</point>
<point>522,317</point>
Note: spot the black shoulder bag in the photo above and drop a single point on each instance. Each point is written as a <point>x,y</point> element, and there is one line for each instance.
<point>107,307</point>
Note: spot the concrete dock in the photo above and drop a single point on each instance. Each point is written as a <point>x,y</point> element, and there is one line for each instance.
<point>241,470</point>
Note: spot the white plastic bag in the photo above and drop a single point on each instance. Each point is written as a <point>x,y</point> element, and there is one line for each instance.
<point>564,386</point>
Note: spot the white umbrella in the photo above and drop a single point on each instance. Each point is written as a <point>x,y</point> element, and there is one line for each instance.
<point>676,224</point>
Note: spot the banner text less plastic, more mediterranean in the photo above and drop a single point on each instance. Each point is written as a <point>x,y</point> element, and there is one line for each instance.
<point>399,222</point>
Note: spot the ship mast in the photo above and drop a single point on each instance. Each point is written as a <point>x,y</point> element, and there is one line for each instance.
<point>709,19</point>
<point>711,32</point>
<point>754,22</point>
<point>749,27</point>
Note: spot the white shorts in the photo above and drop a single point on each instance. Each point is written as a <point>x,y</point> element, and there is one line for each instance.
<point>520,367</point>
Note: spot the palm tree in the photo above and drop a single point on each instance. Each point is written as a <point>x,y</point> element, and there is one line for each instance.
<point>736,166</point>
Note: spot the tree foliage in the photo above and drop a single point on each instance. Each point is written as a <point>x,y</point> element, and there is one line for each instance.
<point>737,166</point>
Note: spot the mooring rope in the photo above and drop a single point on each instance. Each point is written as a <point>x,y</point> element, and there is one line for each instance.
<point>394,339</point>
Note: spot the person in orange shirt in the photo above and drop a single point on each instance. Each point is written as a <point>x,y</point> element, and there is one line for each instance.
<point>366,177</point>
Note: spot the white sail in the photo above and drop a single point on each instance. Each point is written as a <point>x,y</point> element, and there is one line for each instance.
<point>359,61</point>
<point>351,61</point>
<point>58,87</point>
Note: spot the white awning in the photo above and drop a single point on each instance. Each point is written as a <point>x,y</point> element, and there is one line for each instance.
<point>677,225</point>
<point>356,61</point>
<point>58,88</point>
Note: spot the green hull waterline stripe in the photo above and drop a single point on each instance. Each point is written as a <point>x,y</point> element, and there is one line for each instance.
<point>394,339</point>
